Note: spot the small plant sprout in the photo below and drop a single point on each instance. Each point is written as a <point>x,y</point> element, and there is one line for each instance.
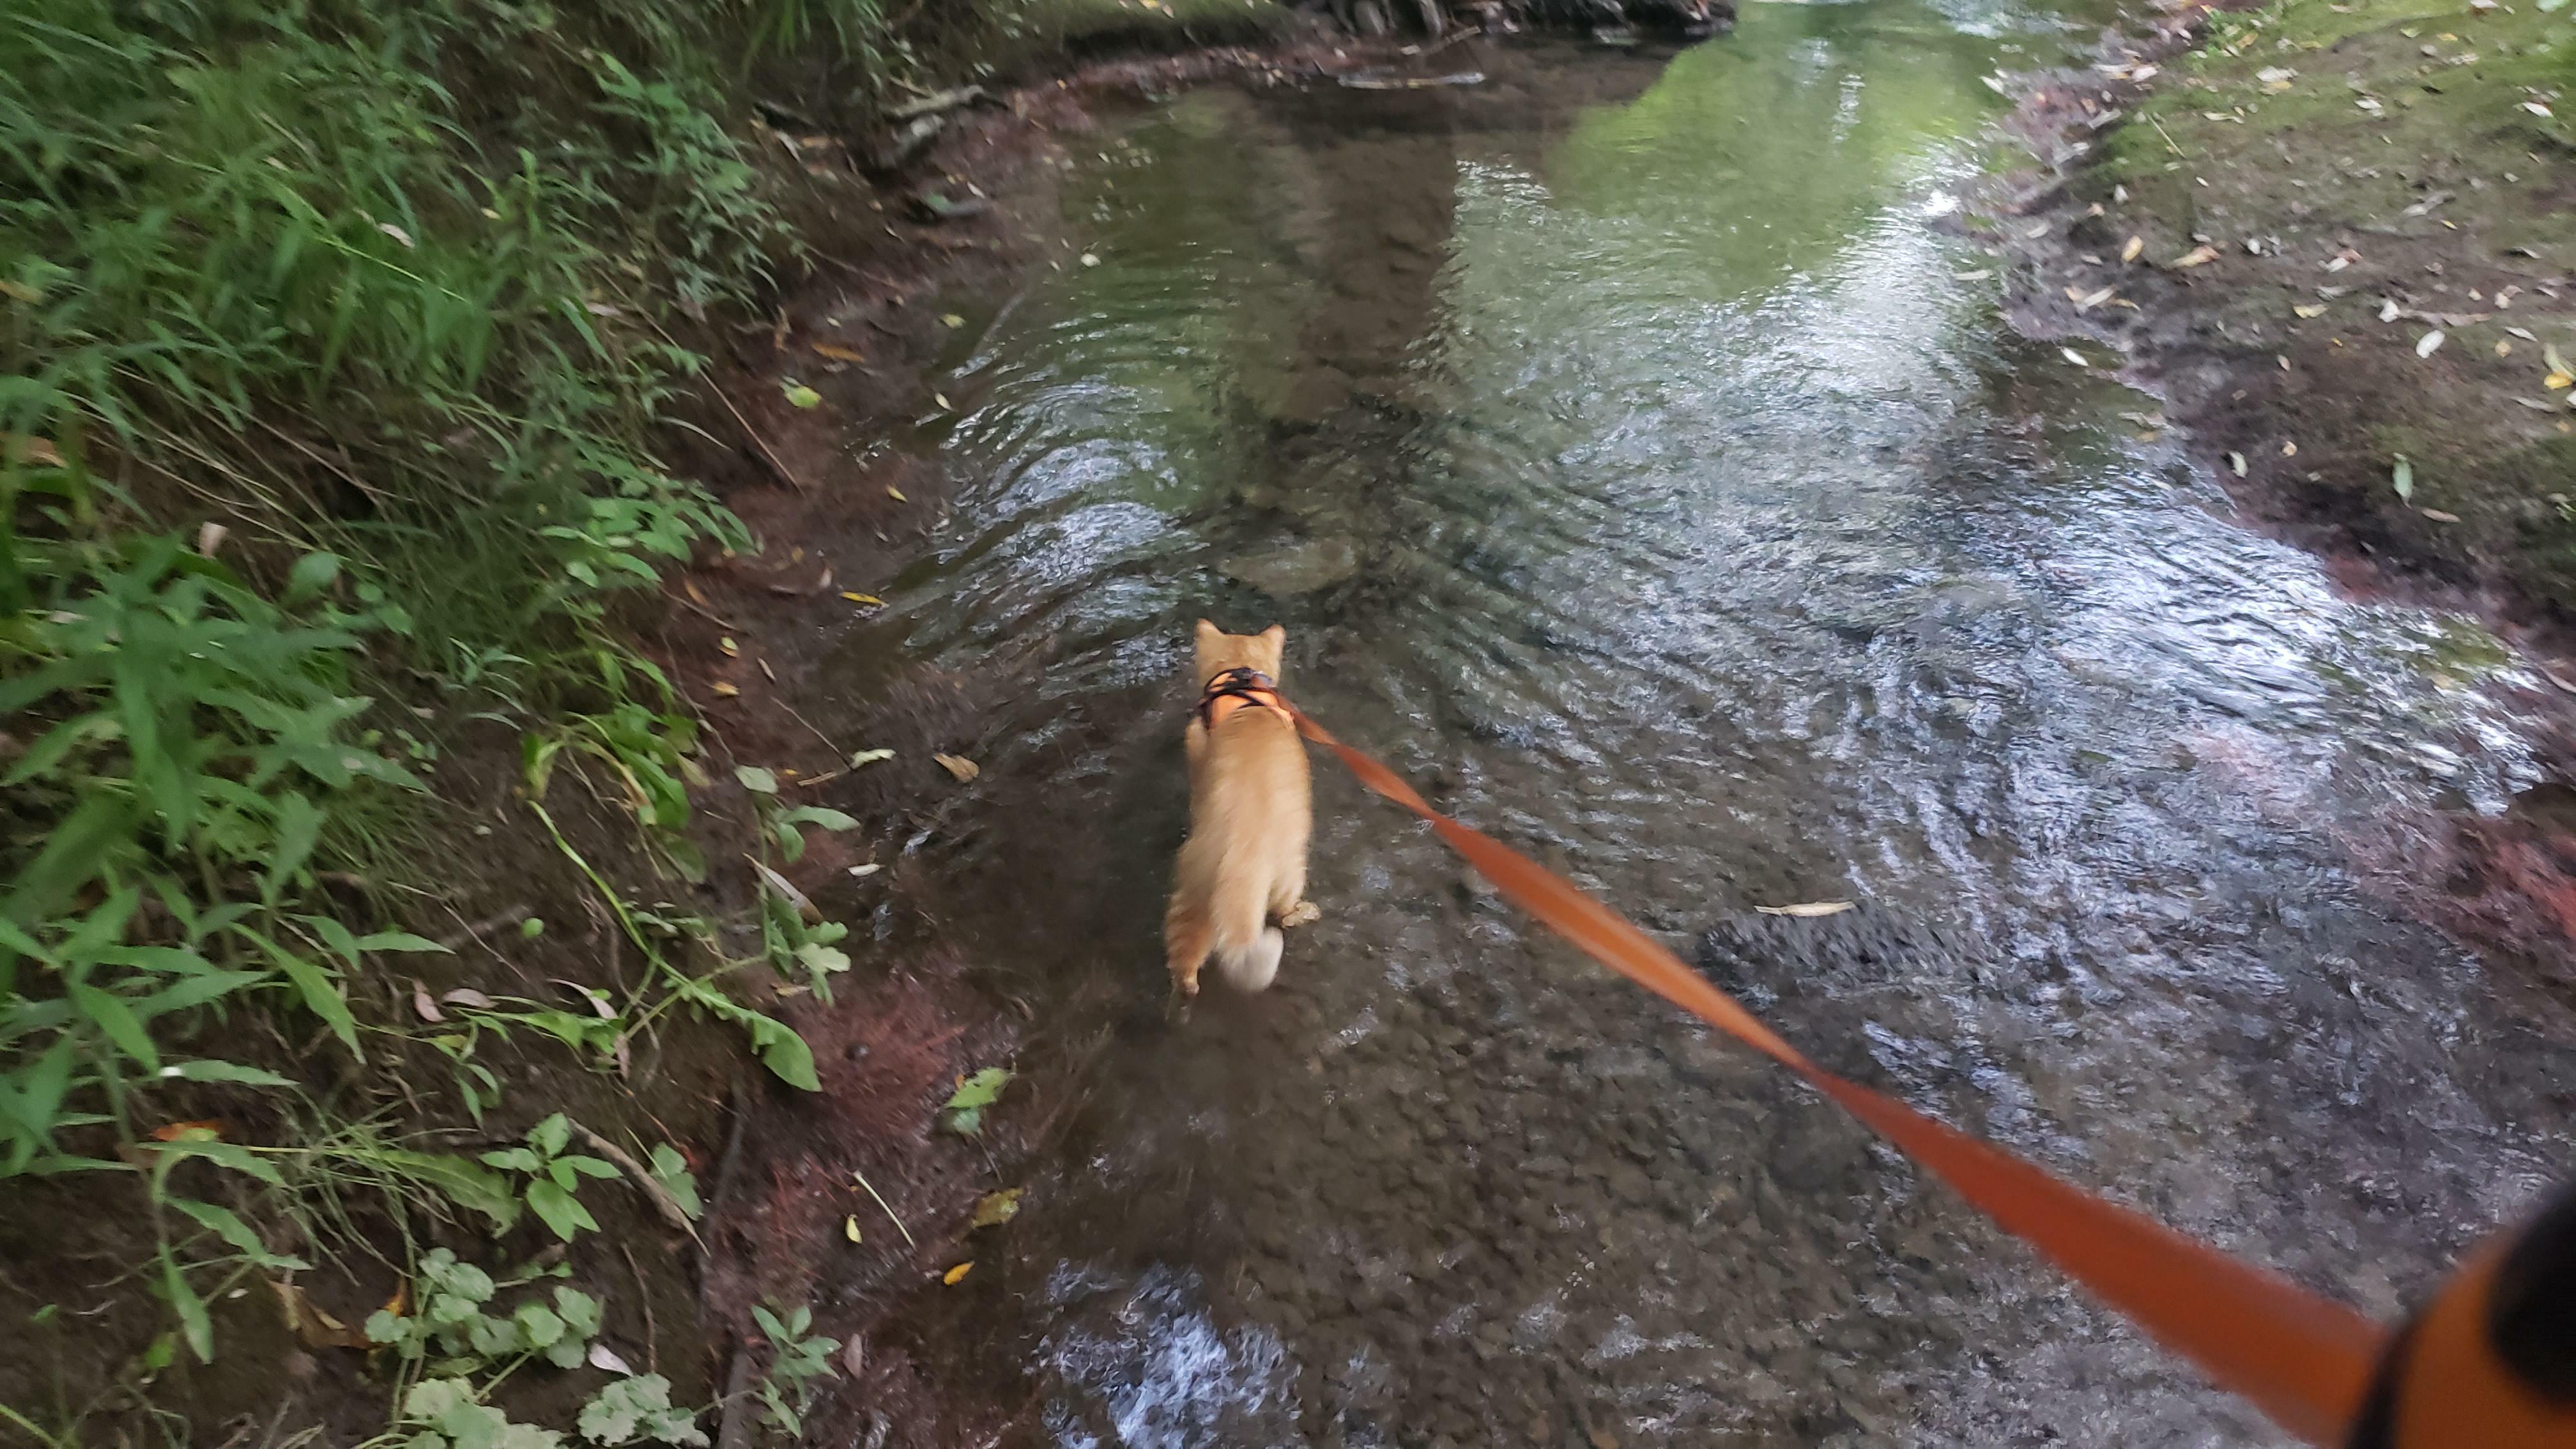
<point>554,1175</point>
<point>797,1357</point>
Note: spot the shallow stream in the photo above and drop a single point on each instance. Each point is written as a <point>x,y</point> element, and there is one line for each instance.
<point>1638,460</point>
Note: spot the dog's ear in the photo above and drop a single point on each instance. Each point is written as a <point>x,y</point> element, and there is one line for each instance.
<point>1209,633</point>
<point>1275,643</point>
<point>1277,635</point>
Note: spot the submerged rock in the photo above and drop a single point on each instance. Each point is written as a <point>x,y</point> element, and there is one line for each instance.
<point>1298,569</point>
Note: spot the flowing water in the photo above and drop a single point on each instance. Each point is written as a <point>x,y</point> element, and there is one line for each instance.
<point>1637,462</point>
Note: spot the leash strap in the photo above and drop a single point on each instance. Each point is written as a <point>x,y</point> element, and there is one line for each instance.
<point>2305,1360</point>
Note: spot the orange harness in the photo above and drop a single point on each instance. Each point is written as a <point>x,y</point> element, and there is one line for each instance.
<point>1236,689</point>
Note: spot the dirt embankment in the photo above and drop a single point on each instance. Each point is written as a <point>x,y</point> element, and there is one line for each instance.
<point>2338,237</point>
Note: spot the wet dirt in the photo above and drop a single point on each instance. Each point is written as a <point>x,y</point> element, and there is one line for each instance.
<point>1633,465</point>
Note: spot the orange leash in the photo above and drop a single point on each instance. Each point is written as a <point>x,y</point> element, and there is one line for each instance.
<point>2305,1360</point>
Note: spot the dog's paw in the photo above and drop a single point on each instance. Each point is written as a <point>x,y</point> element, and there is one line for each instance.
<point>1302,913</point>
<point>1176,1007</point>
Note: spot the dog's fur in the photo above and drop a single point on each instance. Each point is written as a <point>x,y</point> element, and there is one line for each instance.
<point>1251,811</point>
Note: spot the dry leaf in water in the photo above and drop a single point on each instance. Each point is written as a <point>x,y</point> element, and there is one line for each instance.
<point>1807,908</point>
<point>960,766</point>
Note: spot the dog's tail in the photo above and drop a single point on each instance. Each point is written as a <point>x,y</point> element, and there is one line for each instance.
<point>1253,965</point>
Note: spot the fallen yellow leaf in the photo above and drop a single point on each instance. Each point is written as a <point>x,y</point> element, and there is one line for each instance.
<point>838,353</point>
<point>850,1227</point>
<point>960,766</point>
<point>2195,257</point>
<point>896,494</point>
<point>731,649</point>
<point>997,1208</point>
<point>724,690</point>
<point>861,598</point>
<point>957,1275</point>
<point>2315,309</point>
<point>2558,382</point>
<point>2129,251</point>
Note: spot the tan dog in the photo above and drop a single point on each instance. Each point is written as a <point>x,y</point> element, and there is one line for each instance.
<point>1251,809</point>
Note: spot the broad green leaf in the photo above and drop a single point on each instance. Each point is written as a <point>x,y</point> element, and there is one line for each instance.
<point>222,1154</point>
<point>756,779</point>
<point>671,1169</point>
<point>311,575</point>
<point>299,826</point>
<point>215,1071</point>
<point>401,941</point>
<point>193,1322</point>
<point>225,1224</point>
<point>552,1135</point>
<point>783,1052</point>
<point>538,1325</point>
<point>319,989</point>
<point>559,1210</point>
<point>982,1089</point>
<point>823,816</point>
<point>110,1013</point>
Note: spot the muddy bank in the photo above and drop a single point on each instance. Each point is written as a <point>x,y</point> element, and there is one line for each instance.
<point>2335,240</point>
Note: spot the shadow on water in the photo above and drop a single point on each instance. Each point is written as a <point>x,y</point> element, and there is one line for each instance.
<point>1633,464</point>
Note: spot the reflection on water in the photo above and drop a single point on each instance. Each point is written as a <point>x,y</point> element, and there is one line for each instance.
<point>1630,463</point>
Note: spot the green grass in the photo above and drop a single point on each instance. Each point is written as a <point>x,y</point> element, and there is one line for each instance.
<point>322,379</point>
<point>336,357</point>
